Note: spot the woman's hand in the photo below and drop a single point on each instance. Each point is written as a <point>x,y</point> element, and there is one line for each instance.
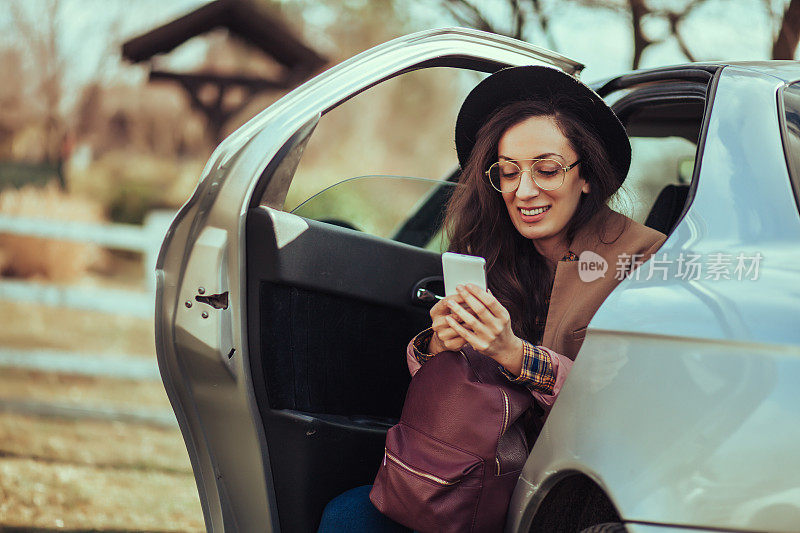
<point>444,337</point>
<point>486,326</point>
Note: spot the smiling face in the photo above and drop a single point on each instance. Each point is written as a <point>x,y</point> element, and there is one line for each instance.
<point>540,137</point>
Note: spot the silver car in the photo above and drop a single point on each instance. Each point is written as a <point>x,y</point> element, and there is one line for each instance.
<point>682,410</point>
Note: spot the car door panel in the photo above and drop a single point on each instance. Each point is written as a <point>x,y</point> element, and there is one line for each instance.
<point>329,316</point>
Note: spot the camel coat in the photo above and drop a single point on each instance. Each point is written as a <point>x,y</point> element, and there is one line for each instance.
<point>573,302</point>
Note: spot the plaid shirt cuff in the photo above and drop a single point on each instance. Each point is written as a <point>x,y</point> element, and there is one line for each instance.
<point>537,370</point>
<point>420,345</point>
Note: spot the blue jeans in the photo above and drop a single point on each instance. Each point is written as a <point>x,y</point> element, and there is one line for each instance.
<point>352,512</point>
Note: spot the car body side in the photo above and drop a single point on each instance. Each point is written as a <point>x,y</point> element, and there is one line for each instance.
<point>682,406</point>
<point>722,342</point>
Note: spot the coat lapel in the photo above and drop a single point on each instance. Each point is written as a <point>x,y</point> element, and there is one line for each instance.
<point>568,311</point>
<point>560,299</point>
<point>573,302</point>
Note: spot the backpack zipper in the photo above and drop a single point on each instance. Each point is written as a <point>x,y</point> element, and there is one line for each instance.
<point>505,411</point>
<point>430,477</point>
<point>505,423</point>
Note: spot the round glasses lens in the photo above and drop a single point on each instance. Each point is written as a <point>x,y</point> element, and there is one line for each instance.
<point>504,176</point>
<point>548,174</point>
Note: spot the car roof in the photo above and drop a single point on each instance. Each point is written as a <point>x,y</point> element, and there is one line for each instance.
<point>783,69</point>
<point>786,70</point>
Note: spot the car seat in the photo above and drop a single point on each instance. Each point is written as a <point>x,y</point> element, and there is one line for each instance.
<point>667,208</point>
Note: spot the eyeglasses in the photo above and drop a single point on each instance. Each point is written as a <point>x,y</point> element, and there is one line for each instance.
<point>547,174</point>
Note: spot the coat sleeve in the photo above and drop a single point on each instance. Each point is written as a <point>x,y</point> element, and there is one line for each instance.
<point>414,351</point>
<point>413,364</point>
<point>561,367</point>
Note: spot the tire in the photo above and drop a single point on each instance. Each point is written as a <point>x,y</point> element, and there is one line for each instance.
<point>607,527</point>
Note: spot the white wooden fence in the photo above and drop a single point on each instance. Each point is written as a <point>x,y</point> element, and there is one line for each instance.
<point>145,239</point>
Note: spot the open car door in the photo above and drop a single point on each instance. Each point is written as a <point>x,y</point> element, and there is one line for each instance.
<point>281,340</point>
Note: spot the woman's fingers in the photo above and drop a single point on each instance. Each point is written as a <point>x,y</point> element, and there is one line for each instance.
<point>489,301</point>
<point>446,334</point>
<point>449,338</point>
<point>439,322</point>
<point>475,304</point>
<point>467,335</point>
<point>441,309</point>
<point>466,317</point>
<point>454,344</point>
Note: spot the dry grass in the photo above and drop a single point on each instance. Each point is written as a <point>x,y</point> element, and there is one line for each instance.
<point>53,495</point>
<point>26,325</point>
<point>95,475</point>
<point>25,256</point>
<point>101,444</point>
<point>68,389</point>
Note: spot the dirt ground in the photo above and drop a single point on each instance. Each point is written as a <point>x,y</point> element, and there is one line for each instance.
<point>86,474</point>
<point>95,475</point>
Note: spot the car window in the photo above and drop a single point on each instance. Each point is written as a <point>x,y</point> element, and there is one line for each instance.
<point>791,135</point>
<point>664,120</point>
<point>400,128</point>
<point>401,208</point>
<point>656,163</point>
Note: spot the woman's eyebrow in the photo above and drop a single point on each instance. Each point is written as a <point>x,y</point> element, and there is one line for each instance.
<point>540,156</point>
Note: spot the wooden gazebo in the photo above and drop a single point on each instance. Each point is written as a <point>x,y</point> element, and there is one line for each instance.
<point>250,23</point>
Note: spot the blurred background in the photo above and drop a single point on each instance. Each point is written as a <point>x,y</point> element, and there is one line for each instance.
<point>109,110</point>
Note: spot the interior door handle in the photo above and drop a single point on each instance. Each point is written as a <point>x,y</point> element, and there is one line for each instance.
<point>424,295</point>
<point>428,291</point>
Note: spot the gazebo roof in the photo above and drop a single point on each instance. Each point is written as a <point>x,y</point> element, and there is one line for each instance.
<point>242,18</point>
<point>250,23</point>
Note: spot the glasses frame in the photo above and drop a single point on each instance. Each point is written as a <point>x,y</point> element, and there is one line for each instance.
<point>529,171</point>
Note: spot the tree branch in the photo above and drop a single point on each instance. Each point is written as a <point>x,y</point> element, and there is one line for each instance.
<point>544,22</point>
<point>518,19</point>
<point>638,11</point>
<point>674,19</point>
<point>475,18</point>
<point>619,7</point>
<point>785,43</point>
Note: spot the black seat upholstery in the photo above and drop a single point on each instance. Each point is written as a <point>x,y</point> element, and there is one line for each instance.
<point>667,208</point>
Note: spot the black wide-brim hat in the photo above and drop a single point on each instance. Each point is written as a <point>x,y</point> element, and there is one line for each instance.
<point>514,84</point>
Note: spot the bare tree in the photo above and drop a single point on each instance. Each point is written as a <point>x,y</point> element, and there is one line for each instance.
<point>525,13</point>
<point>788,36</point>
<point>40,31</point>
<point>41,40</point>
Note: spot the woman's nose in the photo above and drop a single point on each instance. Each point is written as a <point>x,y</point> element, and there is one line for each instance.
<point>527,187</point>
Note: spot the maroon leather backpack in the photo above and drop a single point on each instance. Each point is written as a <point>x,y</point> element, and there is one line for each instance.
<point>453,460</point>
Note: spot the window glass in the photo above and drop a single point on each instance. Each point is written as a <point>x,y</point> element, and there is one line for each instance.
<point>402,127</point>
<point>352,170</point>
<point>656,162</point>
<point>401,208</point>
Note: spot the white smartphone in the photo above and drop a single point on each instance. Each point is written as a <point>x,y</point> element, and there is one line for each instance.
<point>460,269</point>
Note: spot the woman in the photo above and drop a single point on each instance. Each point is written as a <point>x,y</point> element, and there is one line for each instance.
<point>541,155</point>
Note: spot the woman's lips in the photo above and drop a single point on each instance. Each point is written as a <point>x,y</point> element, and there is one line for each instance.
<point>531,217</point>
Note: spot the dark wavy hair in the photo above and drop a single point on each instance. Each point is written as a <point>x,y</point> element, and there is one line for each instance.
<point>477,222</point>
